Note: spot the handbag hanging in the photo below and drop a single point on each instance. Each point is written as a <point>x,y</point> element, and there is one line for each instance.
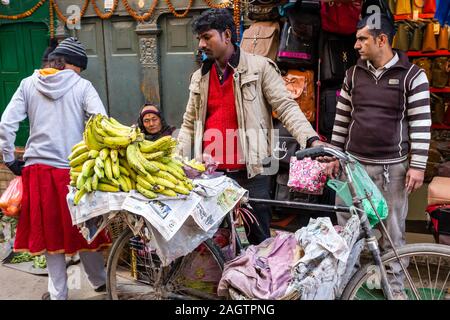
<point>430,6</point>
<point>417,38</point>
<point>307,176</point>
<point>340,18</point>
<point>429,40</point>
<point>443,38</point>
<point>403,7</point>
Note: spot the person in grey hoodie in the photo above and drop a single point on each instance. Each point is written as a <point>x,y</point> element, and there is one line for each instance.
<point>57,102</point>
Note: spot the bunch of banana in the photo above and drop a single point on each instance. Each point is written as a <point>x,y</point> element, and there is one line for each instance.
<point>103,132</point>
<point>157,171</point>
<point>195,164</point>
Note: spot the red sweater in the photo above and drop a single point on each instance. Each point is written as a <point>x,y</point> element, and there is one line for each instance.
<point>220,138</point>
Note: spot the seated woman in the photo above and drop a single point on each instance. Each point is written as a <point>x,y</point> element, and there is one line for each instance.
<point>152,123</point>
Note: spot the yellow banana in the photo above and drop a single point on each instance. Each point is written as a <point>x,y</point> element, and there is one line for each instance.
<point>168,192</point>
<point>124,164</point>
<point>175,173</point>
<point>165,175</point>
<point>124,171</point>
<point>164,182</point>
<point>94,182</point>
<point>79,144</point>
<point>113,131</point>
<point>107,187</point>
<point>181,189</point>
<point>115,169</point>
<point>128,181</point>
<point>133,161</point>
<point>74,175</point>
<point>122,153</point>
<point>144,162</point>
<point>75,153</point>
<point>147,193</point>
<point>154,155</point>
<point>188,184</point>
<point>159,165</point>
<point>117,124</point>
<point>73,183</point>
<point>117,142</point>
<point>156,145</point>
<point>78,195</point>
<point>77,168</point>
<point>89,138</point>
<point>175,166</point>
<point>108,168</point>
<point>99,172</point>
<point>165,160</point>
<point>113,182</point>
<point>158,188</point>
<point>133,184</point>
<point>88,168</point>
<point>150,179</point>
<point>93,154</point>
<point>123,184</point>
<point>143,182</point>
<point>88,184</point>
<point>79,160</point>
<point>99,163</point>
<point>114,154</point>
<point>81,180</point>
<point>104,153</point>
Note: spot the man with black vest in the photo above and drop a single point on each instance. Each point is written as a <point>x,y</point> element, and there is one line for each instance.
<point>383,119</point>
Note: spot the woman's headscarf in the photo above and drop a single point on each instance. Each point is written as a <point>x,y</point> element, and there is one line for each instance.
<point>166,130</point>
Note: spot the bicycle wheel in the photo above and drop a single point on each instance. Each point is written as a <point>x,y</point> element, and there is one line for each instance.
<point>134,272</point>
<point>429,268</point>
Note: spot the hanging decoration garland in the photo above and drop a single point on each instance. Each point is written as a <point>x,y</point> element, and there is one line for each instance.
<point>140,18</point>
<point>104,15</point>
<point>218,6</point>
<point>24,14</point>
<point>52,20</point>
<point>176,14</point>
<point>237,17</point>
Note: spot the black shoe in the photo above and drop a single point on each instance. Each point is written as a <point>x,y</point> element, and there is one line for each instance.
<point>102,288</point>
<point>46,296</point>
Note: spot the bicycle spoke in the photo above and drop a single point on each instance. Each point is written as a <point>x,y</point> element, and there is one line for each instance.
<point>418,272</point>
<point>443,286</point>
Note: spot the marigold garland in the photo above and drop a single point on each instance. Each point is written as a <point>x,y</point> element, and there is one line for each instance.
<point>62,17</point>
<point>140,18</point>
<point>104,16</point>
<point>52,20</point>
<point>176,14</point>
<point>237,17</point>
<point>24,14</point>
<point>218,6</point>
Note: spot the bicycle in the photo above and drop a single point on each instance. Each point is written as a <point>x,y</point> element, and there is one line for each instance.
<point>169,282</point>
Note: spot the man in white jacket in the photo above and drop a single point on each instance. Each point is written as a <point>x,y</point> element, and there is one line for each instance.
<point>56,101</point>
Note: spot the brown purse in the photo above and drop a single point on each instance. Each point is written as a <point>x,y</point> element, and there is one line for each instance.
<point>426,65</point>
<point>443,38</point>
<point>429,40</point>
<point>262,38</point>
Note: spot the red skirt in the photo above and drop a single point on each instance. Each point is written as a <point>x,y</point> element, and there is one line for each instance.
<point>45,224</point>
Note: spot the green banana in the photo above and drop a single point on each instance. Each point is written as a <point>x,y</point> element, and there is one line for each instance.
<point>181,189</point>
<point>99,162</point>
<point>89,138</point>
<point>88,184</point>
<point>133,160</point>
<point>79,144</point>
<point>123,184</point>
<point>94,182</point>
<point>158,188</point>
<point>156,145</point>
<point>112,182</point>
<point>145,163</point>
<point>124,171</point>
<point>113,131</point>
<point>93,154</point>
<point>154,155</point>
<point>128,181</point>
<point>81,180</point>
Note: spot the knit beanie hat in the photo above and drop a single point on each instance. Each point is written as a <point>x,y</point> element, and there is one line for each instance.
<point>73,52</point>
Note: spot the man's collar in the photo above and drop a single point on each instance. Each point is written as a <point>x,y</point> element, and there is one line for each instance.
<point>388,65</point>
<point>233,61</point>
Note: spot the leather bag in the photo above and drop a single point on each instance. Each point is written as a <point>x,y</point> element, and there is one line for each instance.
<point>301,86</point>
<point>262,38</point>
<point>440,74</point>
<point>429,40</point>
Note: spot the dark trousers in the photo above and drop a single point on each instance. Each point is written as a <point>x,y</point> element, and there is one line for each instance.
<point>258,187</point>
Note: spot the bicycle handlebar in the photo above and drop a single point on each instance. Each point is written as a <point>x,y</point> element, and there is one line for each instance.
<point>321,151</point>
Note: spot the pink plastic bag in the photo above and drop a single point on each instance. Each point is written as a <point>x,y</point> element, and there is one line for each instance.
<point>11,199</point>
<point>307,176</point>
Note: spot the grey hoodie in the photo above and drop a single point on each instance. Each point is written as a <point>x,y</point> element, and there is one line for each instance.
<point>57,106</point>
